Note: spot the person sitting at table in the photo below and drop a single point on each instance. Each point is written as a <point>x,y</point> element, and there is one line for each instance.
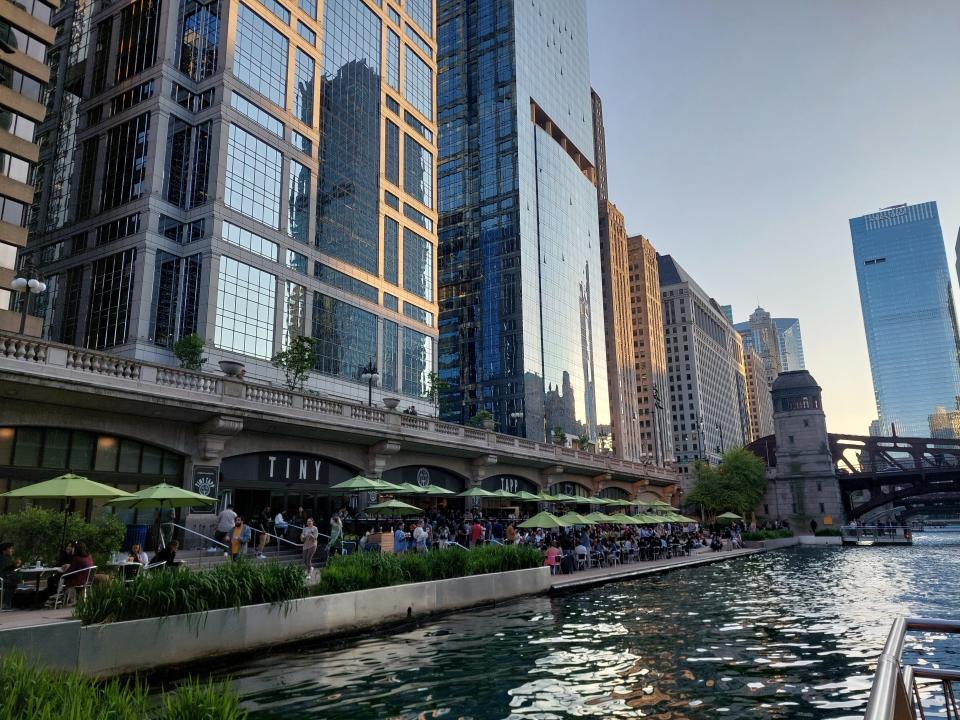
<point>81,561</point>
<point>8,573</point>
<point>66,555</point>
<point>168,554</point>
<point>137,555</point>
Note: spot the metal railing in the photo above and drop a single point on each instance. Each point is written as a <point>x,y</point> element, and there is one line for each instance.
<point>896,692</point>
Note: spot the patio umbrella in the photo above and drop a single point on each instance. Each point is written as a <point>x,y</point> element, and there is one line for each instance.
<point>394,507</point>
<point>661,504</point>
<point>598,501</point>
<point>598,517</point>
<point>505,494</point>
<point>621,519</point>
<point>359,483</point>
<point>647,519</point>
<point>162,496</point>
<point>66,487</point>
<point>684,518</point>
<point>432,489</point>
<point>641,503</point>
<point>475,492</point>
<point>527,497</point>
<point>406,488</point>
<point>619,503</point>
<point>729,516</point>
<point>567,498</point>
<point>547,497</point>
<point>572,518</point>
<point>543,520</point>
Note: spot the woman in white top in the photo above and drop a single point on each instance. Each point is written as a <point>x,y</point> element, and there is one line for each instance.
<point>309,539</point>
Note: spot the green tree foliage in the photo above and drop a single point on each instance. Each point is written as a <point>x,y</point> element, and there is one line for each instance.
<point>189,351</point>
<point>37,532</point>
<point>435,389</point>
<point>297,361</point>
<point>737,484</point>
<point>478,420</point>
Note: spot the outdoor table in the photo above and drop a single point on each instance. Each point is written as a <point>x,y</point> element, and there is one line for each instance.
<point>39,572</point>
<point>121,568</point>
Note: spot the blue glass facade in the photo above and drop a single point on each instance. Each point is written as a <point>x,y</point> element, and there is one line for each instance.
<point>908,314</point>
<point>521,321</point>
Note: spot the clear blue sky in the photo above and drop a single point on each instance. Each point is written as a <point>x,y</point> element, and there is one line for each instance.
<point>743,134</point>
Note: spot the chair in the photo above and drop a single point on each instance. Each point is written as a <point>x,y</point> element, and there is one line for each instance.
<point>65,594</point>
<point>154,566</point>
<point>581,559</point>
<point>613,558</point>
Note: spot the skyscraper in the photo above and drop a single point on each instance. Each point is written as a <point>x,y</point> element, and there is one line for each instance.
<point>791,344</point>
<point>908,314</point>
<point>759,400</point>
<point>248,186</point>
<point>521,304</point>
<point>25,33</point>
<point>705,370</point>
<point>650,357</point>
<point>615,276</point>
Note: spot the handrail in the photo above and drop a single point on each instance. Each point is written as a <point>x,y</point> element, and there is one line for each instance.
<point>192,532</point>
<point>894,694</point>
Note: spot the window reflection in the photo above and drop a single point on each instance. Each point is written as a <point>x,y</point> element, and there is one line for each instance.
<point>252,183</point>
<point>246,300</point>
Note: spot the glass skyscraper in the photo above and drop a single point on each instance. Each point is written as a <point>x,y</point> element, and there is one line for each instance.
<point>521,314</point>
<point>248,170</point>
<point>908,314</point>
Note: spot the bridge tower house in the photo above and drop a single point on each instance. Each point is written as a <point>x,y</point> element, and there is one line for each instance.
<point>804,486</point>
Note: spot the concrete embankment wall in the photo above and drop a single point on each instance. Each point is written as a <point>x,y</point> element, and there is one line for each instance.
<point>779,543</point>
<point>137,645</point>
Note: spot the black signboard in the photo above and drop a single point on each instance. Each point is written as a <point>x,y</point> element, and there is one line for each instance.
<point>279,469</point>
<point>205,483</point>
<point>510,483</point>
<point>425,475</point>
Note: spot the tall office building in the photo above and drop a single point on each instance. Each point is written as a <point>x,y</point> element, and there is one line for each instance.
<point>705,371</point>
<point>908,314</point>
<point>615,276</point>
<point>787,345</point>
<point>25,34</point>
<point>759,400</point>
<point>650,356</point>
<point>249,171</point>
<point>521,303</point>
<point>791,344</point>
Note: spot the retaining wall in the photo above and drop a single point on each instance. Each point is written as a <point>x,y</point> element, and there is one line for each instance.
<point>137,645</point>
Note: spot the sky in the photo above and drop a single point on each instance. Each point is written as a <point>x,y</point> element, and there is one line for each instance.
<point>743,134</point>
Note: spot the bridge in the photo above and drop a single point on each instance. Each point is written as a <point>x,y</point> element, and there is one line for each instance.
<point>876,471</point>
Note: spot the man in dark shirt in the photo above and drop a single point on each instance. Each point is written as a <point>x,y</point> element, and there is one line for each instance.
<point>168,554</point>
<point>8,573</point>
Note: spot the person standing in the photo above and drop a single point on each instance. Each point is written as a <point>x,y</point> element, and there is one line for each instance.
<point>336,533</point>
<point>476,533</point>
<point>309,537</point>
<point>279,525</point>
<point>239,537</point>
<point>225,522</point>
<point>265,525</point>
<point>420,537</point>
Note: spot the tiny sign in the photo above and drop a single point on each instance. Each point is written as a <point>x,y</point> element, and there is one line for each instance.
<point>205,483</point>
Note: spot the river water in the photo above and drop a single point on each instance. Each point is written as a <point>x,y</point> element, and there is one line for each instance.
<point>788,634</point>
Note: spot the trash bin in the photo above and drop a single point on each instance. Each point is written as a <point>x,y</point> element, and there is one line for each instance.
<point>136,535</point>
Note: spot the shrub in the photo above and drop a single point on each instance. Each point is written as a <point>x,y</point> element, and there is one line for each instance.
<point>42,694</point>
<point>362,571</point>
<point>37,533</point>
<point>160,593</point>
<point>828,532</point>
<point>767,534</point>
<point>189,351</point>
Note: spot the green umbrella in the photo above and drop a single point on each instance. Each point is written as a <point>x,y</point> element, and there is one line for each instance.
<point>647,519</point>
<point>393,507</point>
<point>619,503</point>
<point>598,501</point>
<point>66,487</point>
<point>641,503</point>
<point>661,504</point>
<point>598,517</point>
<point>437,490</point>
<point>161,496</point>
<point>729,516</point>
<point>546,497</point>
<point>475,492</point>
<point>684,518</point>
<point>572,518</point>
<point>406,488</point>
<point>527,497</point>
<point>621,519</point>
<point>359,483</point>
<point>505,494</point>
<point>583,500</point>
<point>567,498</point>
<point>543,520</point>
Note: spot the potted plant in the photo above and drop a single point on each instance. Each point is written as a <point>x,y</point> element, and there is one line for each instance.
<point>231,368</point>
<point>559,436</point>
<point>296,361</point>
<point>483,419</point>
<point>189,351</point>
<point>391,403</point>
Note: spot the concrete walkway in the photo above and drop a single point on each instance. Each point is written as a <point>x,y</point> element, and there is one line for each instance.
<point>25,618</point>
<point>599,576</point>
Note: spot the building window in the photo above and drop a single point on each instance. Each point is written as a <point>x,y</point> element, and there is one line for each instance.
<point>417,362</point>
<point>101,55</point>
<point>309,7</point>
<point>199,32</point>
<point>188,163</point>
<point>254,112</point>
<point>392,153</point>
<point>347,203</point>
<point>298,207</point>
<point>304,75</point>
<point>417,265</point>
<point>111,287</point>
<point>260,56</point>
<point>393,60</point>
<point>417,171</point>
<point>342,281</point>
<point>422,13</point>
<point>137,41</point>
<point>297,261</point>
<point>418,83</point>
<point>306,33</point>
<point>391,240</point>
<point>346,337</point>
<point>256,244</point>
<point>246,301</point>
<point>125,164</point>
<point>388,371</point>
<point>176,297</point>
<point>418,314</point>
<point>252,184</point>
<point>301,143</point>
<point>294,312</point>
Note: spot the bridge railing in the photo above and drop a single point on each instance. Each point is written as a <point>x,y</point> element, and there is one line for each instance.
<point>903,533</point>
<point>912,692</point>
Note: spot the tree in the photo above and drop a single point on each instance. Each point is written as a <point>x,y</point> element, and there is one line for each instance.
<point>189,351</point>
<point>296,361</point>
<point>435,388</point>
<point>737,484</point>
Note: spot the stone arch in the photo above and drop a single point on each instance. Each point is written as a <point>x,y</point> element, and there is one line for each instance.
<point>427,474</point>
<point>617,485</point>
<point>247,443</point>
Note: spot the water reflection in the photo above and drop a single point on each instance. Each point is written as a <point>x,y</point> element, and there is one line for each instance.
<point>784,635</point>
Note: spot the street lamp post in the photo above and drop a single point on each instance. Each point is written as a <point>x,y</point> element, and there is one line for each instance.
<point>370,375</point>
<point>31,286</point>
